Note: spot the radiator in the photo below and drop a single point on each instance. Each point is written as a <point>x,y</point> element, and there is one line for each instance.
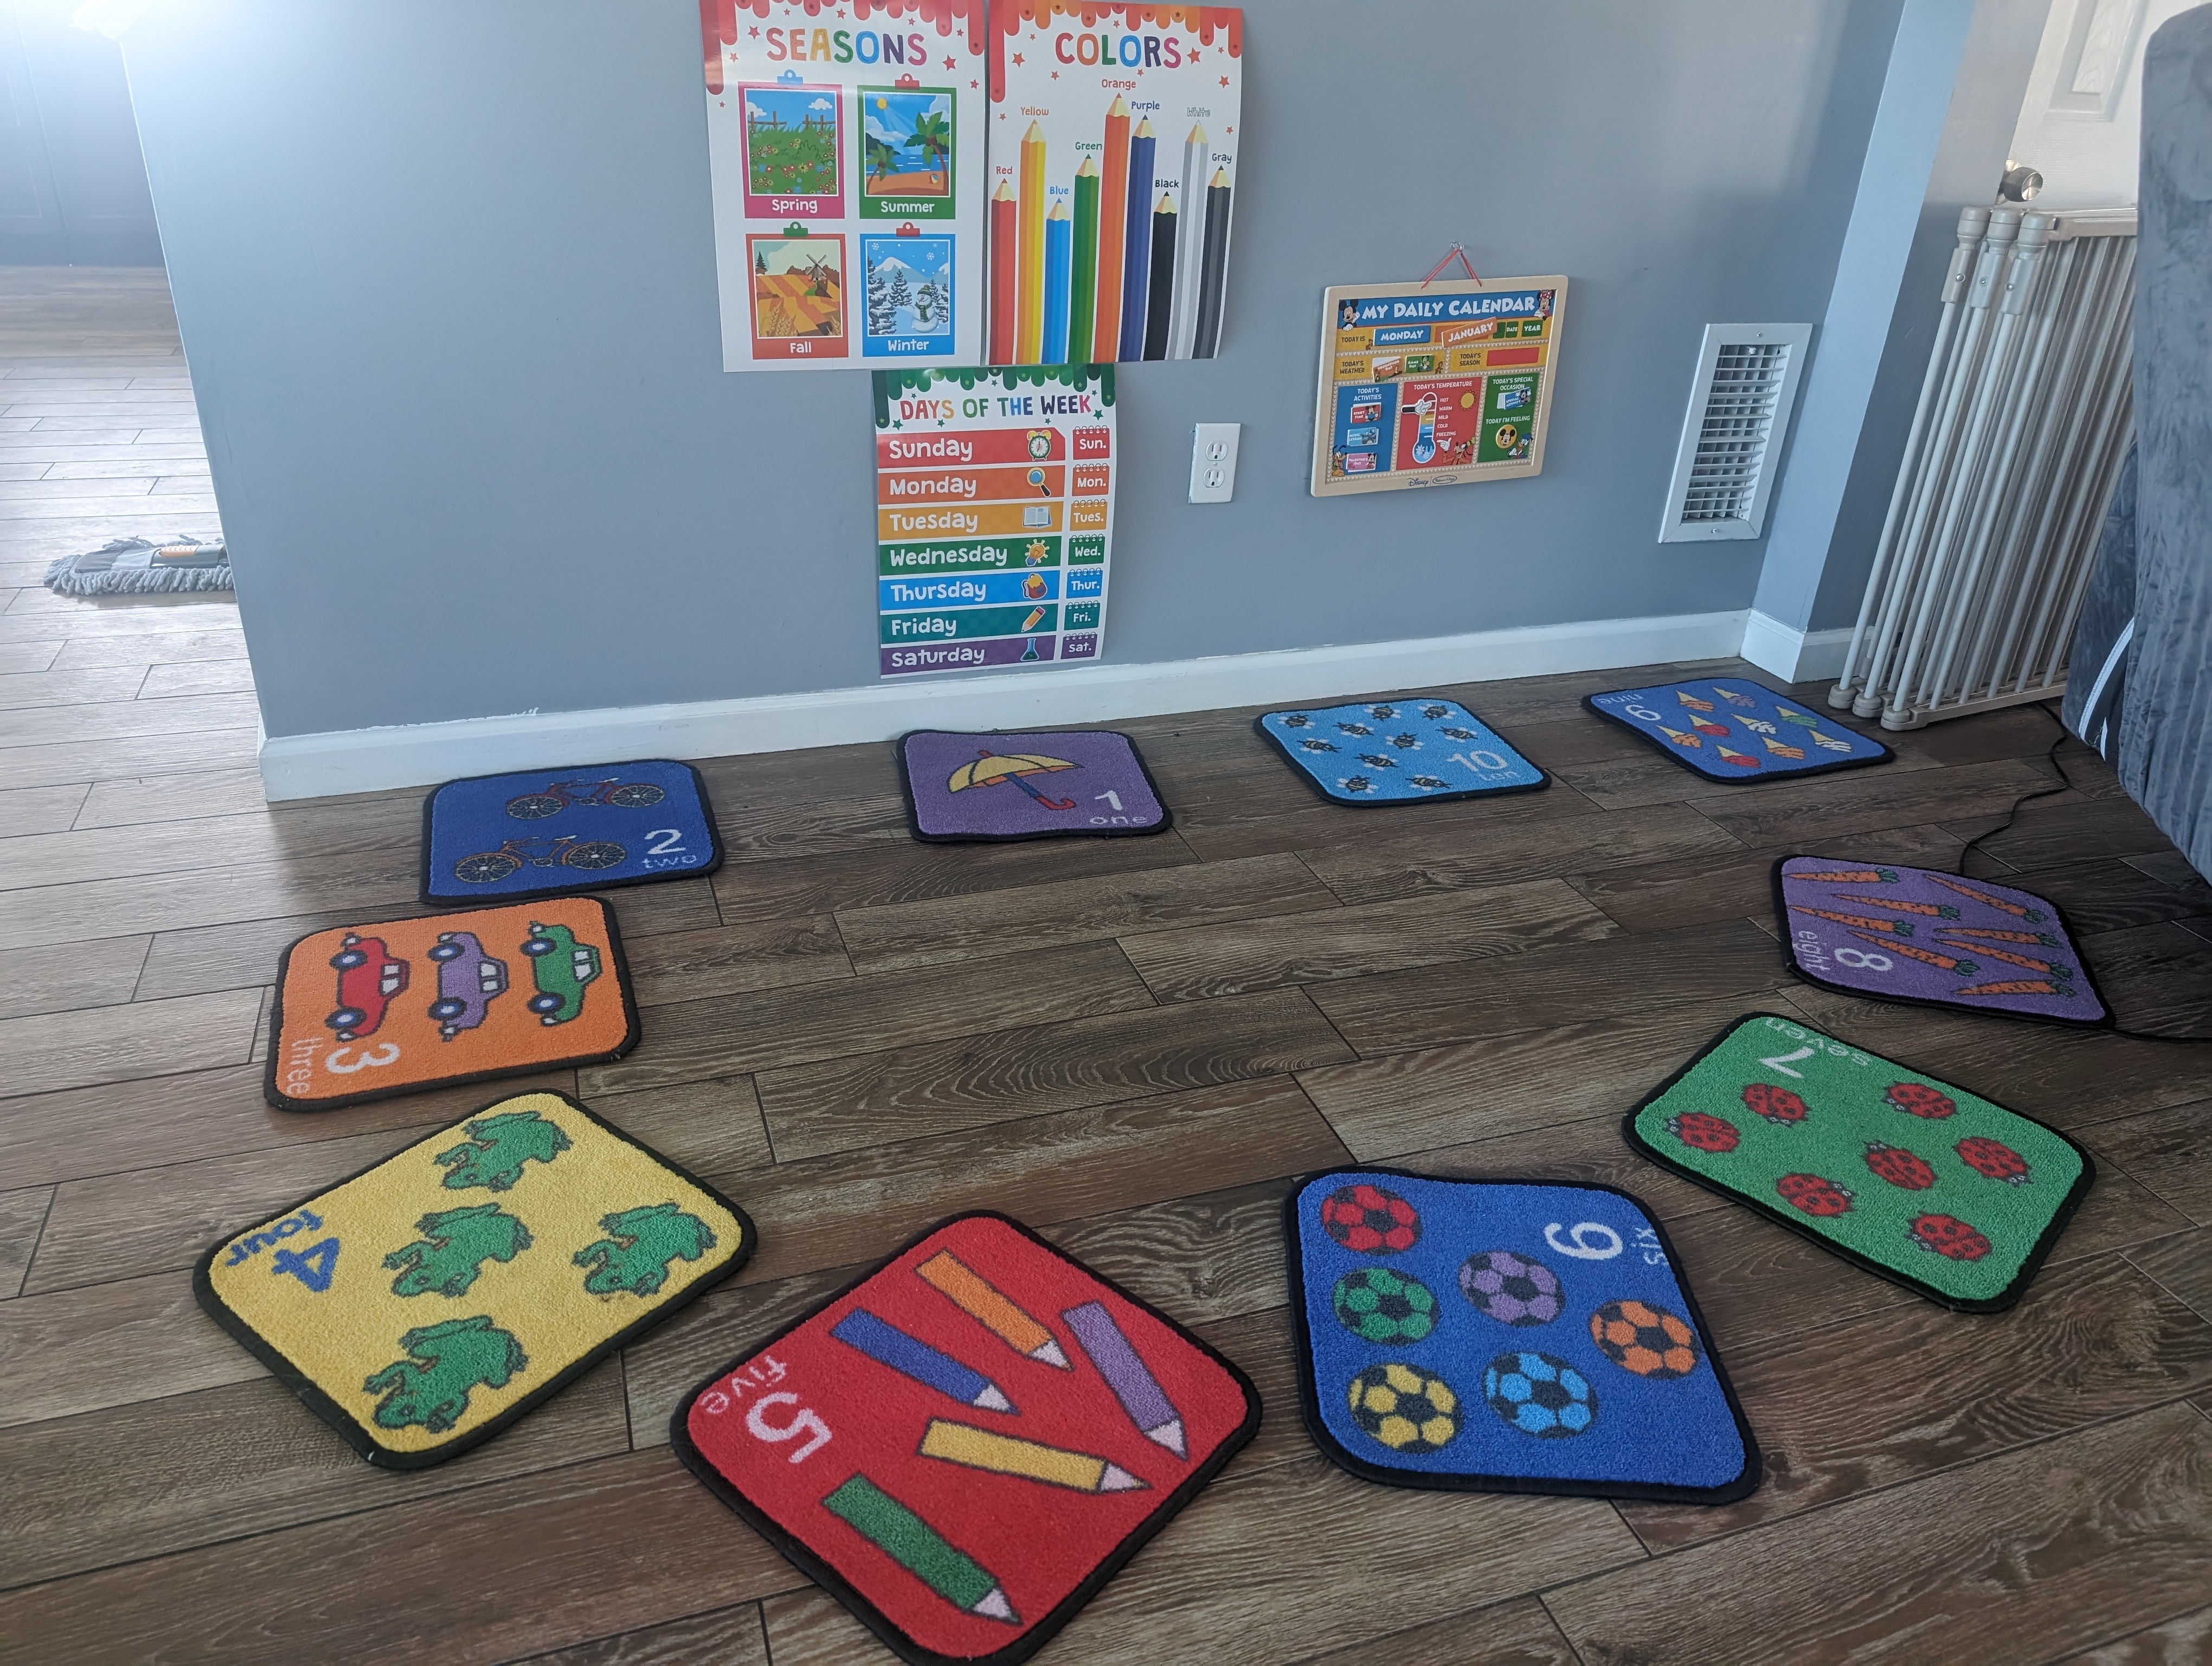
<point>2024,415</point>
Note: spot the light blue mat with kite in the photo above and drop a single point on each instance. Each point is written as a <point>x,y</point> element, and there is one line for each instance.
<point>1399,751</point>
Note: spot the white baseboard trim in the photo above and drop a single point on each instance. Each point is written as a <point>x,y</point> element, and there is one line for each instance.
<point>1794,655</point>
<point>303,766</point>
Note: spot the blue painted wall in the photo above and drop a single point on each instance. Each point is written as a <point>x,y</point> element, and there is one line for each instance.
<point>445,275</point>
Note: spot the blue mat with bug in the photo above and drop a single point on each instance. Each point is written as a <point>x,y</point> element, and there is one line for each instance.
<point>1506,1336</point>
<point>1728,729</point>
<point>548,832</point>
<point>1398,752</point>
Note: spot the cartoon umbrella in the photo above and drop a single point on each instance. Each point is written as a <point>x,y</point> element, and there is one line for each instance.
<point>991,767</point>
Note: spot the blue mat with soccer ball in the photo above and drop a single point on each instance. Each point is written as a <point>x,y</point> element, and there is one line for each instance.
<point>548,832</point>
<point>1728,729</point>
<point>1397,751</point>
<point>1506,1336</point>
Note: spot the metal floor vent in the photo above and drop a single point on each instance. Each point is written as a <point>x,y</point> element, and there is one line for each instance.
<point>1739,404</point>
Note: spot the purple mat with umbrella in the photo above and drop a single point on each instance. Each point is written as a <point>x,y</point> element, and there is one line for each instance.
<point>1086,782</point>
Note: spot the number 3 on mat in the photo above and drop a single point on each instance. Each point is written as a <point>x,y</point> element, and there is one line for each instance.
<point>313,1266</point>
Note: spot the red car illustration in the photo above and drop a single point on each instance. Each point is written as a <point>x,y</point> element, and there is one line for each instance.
<point>368,977</point>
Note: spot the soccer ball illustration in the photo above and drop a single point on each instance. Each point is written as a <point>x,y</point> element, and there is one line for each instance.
<point>1948,1237</point>
<point>1369,1221</point>
<point>1378,1305</point>
<point>1899,1166</point>
<point>1408,1409</point>
<point>1815,1195</point>
<point>1918,1099</point>
<point>1511,1288</point>
<point>1539,1394</point>
<point>1994,1159</point>
<point>1712,1133</point>
<point>1778,1105</point>
<point>1646,1340</point>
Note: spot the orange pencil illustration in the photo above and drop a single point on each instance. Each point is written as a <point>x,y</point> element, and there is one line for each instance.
<point>973,1295</point>
<point>1113,211</point>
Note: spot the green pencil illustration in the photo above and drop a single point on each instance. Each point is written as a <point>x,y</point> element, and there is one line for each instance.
<point>919,1548</point>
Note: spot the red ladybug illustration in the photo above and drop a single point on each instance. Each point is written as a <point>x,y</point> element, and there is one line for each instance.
<point>1899,1166</point>
<point>1816,1197</point>
<point>1371,1220</point>
<point>1712,1133</point>
<point>1994,1158</point>
<point>1950,1237</point>
<point>1918,1099</point>
<point>1778,1105</point>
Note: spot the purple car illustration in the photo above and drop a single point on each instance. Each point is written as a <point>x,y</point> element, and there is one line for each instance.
<point>468,978</point>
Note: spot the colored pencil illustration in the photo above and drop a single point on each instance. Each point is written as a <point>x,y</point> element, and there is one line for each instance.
<point>919,1548</point>
<point>968,1290</point>
<point>914,1358</point>
<point>1113,213</point>
<point>1028,329</point>
<point>1055,1466</point>
<point>1083,265</point>
<point>1137,244</point>
<point>1005,236</point>
<point>1190,210</point>
<point>1213,267</point>
<point>1124,1369</point>
<point>1054,348</point>
<point>1160,301</point>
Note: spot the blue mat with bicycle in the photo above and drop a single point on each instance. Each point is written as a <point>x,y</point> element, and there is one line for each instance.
<point>548,832</point>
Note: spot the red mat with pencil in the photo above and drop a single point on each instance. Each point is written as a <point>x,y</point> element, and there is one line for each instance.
<point>966,1444</point>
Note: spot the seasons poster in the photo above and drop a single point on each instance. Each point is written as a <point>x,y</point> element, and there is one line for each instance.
<point>1112,173</point>
<point>846,145</point>
<point>994,511</point>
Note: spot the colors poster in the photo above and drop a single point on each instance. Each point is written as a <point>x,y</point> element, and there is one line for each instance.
<point>847,151</point>
<point>995,512</point>
<point>1113,177</point>
<point>1438,384</point>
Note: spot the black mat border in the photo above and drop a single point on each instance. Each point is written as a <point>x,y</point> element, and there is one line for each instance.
<point>913,821</point>
<point>424,894</point>
<point>1543,781</point>
<point>1042,1632</point>
<point>284,1102</point>
<point>1742,1486</point>
<point>1682,757</point>
<point>2003,1299</point>
<point>2110,1021</point>
<point>351,1428</point>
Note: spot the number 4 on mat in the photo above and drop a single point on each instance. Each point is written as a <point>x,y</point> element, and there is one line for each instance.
<point>313,1266</point>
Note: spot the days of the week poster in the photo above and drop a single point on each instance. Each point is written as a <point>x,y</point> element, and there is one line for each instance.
<point>1438,384</point>
<point>847,149</point>
<point>1112,173</point>
<point>995,514</point>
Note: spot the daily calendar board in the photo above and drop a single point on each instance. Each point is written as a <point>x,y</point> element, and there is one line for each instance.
<point>1440,384</point>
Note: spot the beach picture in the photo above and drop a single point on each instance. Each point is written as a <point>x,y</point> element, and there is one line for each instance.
<point>907,300</point>
<point>798,295</point>
<point>905,151</point>
<point>794,138</point>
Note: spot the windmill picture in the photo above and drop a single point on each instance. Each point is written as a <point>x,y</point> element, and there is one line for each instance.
<point>799,292</point>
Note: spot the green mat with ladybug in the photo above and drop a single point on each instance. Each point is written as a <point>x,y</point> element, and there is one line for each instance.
<point>1909,1177</point>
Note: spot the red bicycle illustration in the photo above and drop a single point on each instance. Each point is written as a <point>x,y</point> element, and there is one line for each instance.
<point>620,795</point>
<point>488,867</point>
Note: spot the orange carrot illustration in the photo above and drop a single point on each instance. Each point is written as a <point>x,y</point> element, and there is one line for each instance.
<point>1933,911</point>
<point>1980,896</point>
<point>2025,986</point>
<point>1995,936</point>
<point>2049,969</point>
<point>1947,962</point>
<point>1848,876</point>
<point>1894,928</point>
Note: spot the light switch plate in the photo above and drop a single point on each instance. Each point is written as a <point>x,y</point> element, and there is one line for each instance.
<point>1213,462</point>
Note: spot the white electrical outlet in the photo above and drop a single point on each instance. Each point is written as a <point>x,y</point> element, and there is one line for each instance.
<point>1213,463</point>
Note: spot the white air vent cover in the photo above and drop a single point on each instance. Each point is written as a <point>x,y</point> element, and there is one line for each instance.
<point>1732,434</point>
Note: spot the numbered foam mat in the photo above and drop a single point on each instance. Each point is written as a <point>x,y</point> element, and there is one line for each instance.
<point>964,1446</point>
<point>1506,1336</point>
<point>962,788</point>
<point>1728,729</point>
<point>1920,935</point>
<point>1907,1175</point>
<point>1399,751</point>
<point>549,832</point>
<point>397,1006</point>
<point>427,1303</point>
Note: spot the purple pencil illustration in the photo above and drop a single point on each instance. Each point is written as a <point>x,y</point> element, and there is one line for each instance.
<point>1137,245</point>
<point>1139,1393</point>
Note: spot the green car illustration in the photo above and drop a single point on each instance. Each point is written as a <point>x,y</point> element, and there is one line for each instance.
<point>562,967</point>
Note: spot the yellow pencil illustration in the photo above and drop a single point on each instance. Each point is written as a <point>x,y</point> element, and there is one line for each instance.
<point>1055,1466</point>
<point>973,1295</point>
<point>1028,330</point>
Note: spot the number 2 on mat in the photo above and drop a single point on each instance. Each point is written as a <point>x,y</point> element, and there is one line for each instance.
<point>1781,1061</point>
<point>313,1266</point>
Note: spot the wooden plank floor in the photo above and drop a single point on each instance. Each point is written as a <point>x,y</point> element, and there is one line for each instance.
<point>1133,1045</point>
